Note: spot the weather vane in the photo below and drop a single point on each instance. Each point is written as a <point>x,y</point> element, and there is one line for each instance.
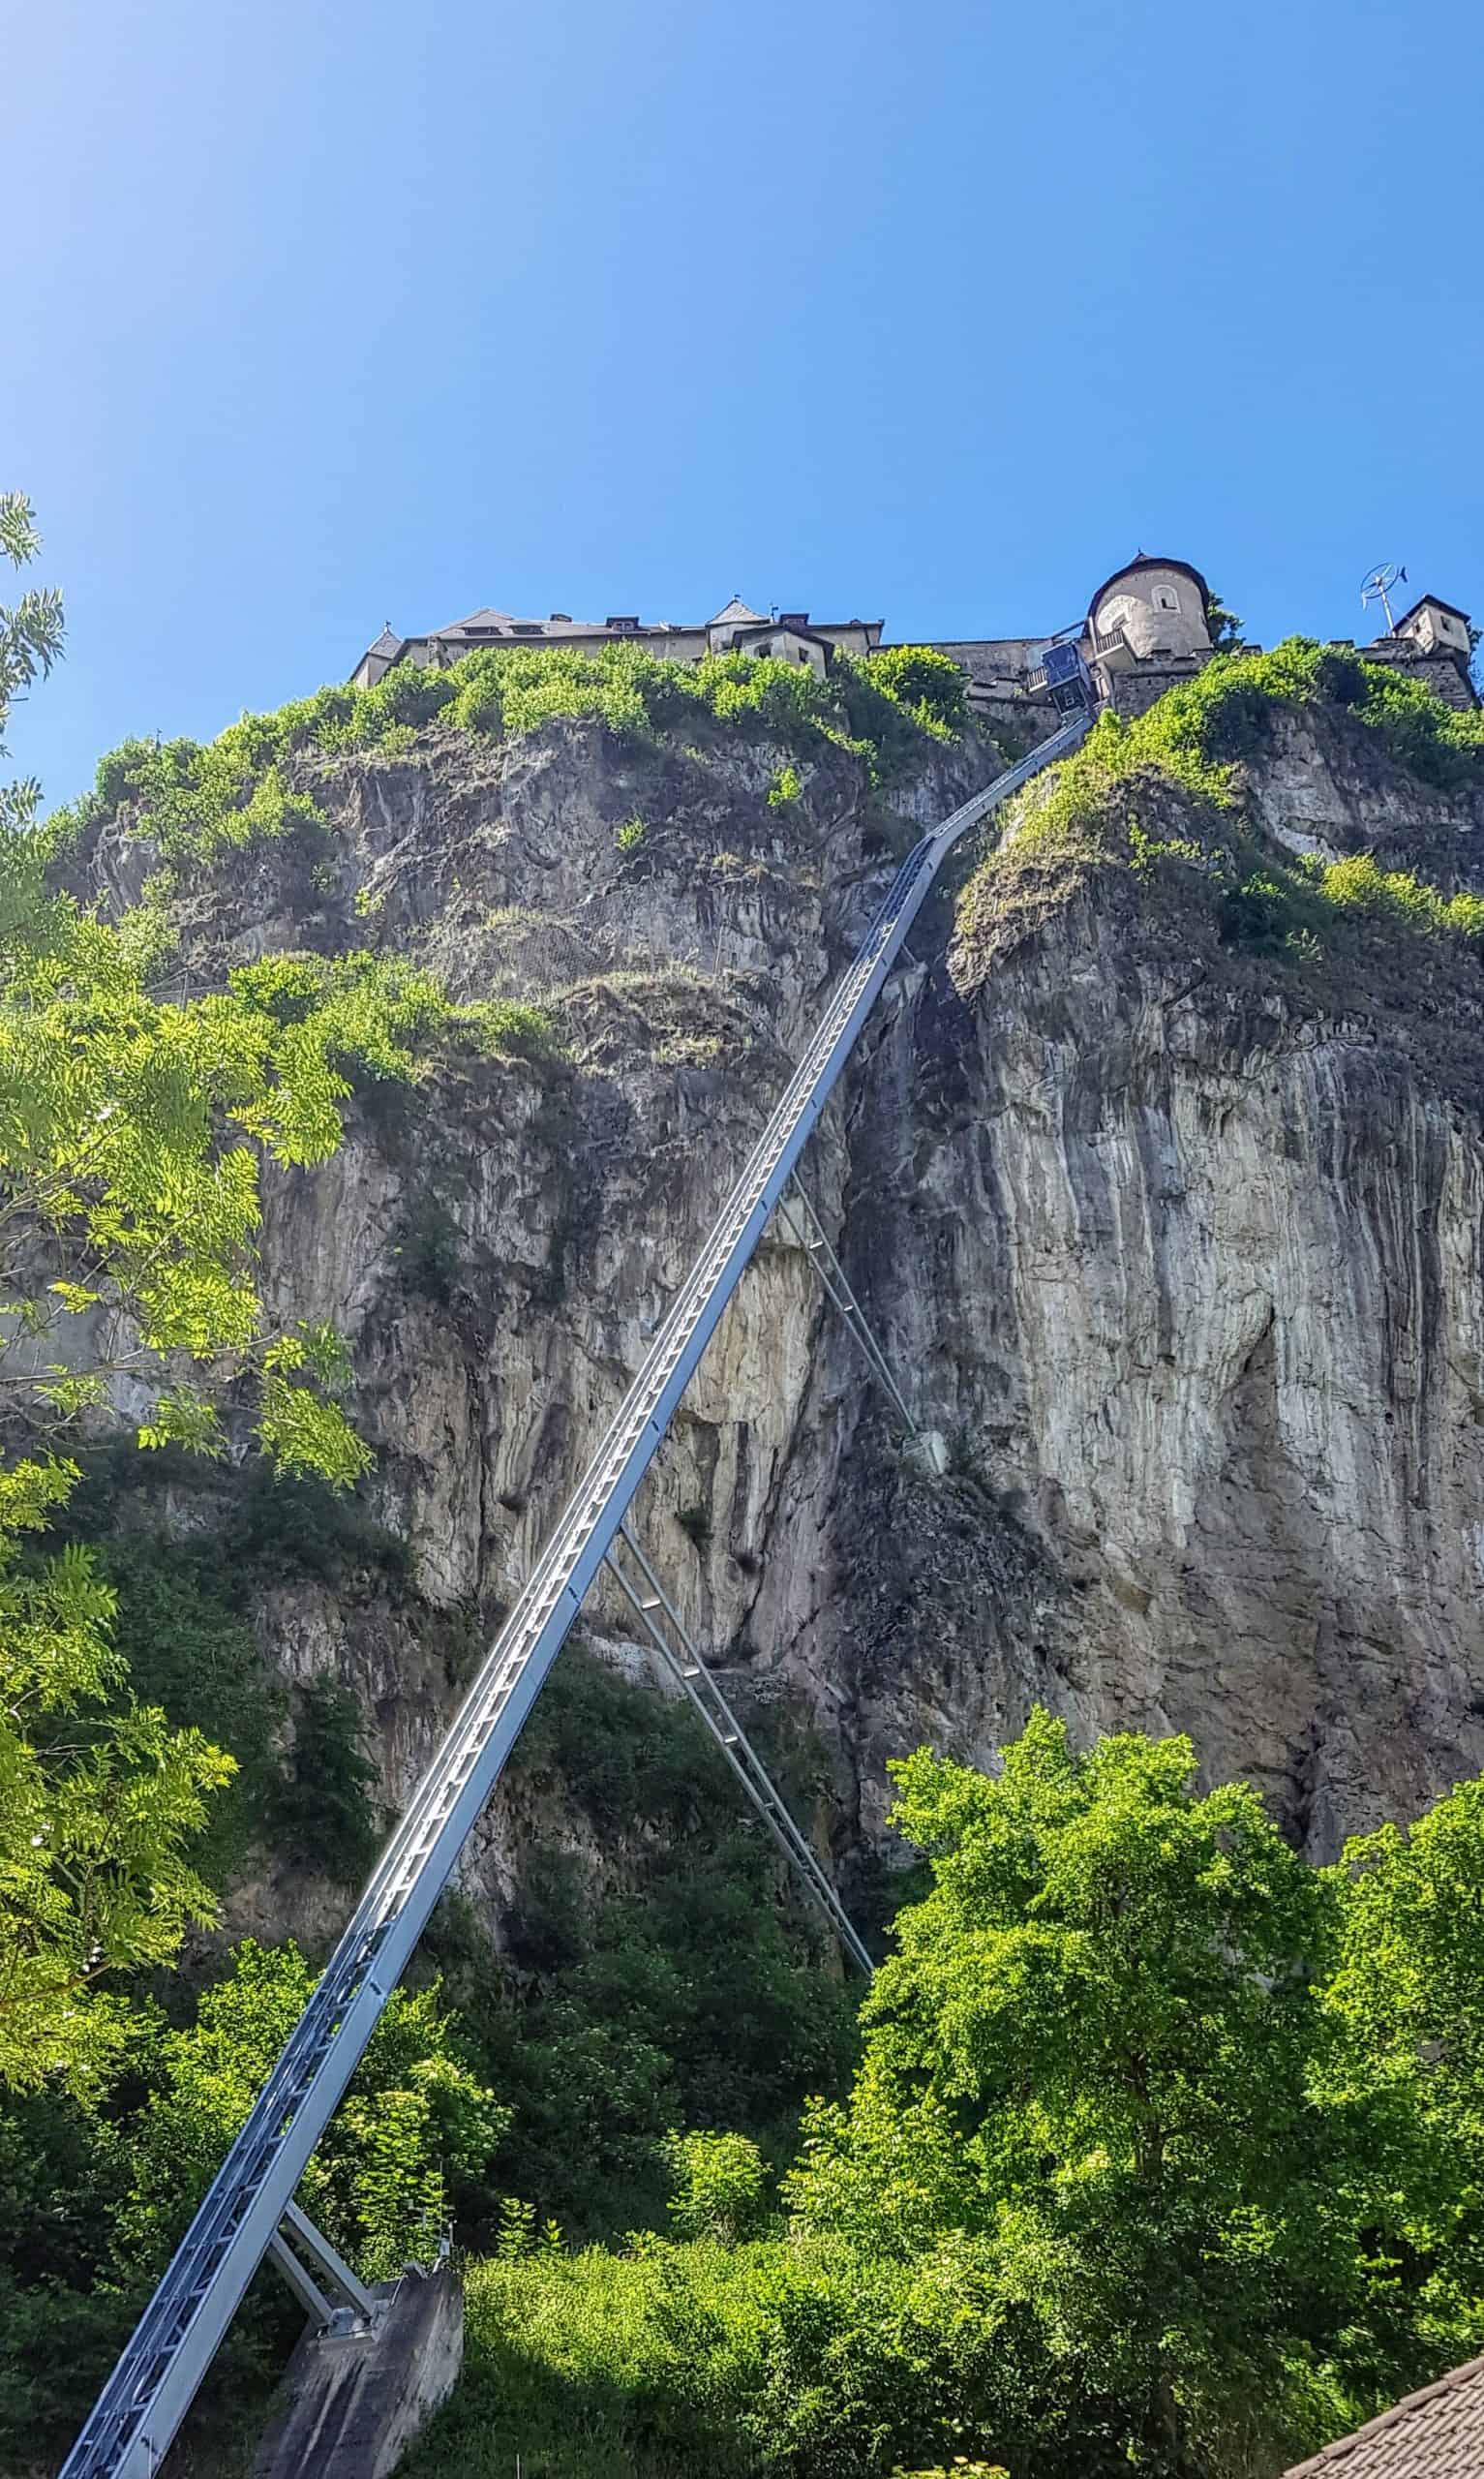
<point>1376,587</point>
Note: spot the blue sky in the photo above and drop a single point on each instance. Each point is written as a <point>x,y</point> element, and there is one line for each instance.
<point>323,316</point>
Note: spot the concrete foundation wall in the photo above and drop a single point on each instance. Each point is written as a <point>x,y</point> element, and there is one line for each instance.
<point>349,2407</point>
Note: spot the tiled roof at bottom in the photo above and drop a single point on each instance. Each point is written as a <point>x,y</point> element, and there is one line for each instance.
<point>1437,2433</point>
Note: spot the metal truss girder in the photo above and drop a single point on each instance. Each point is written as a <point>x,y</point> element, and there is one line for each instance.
<point>837,1286</point>
<point>704,1689</point>
<point>359,2305</point>
<point>131,2426</point>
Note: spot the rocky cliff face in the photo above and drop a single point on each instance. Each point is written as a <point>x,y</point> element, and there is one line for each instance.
<point>1185,1266</point>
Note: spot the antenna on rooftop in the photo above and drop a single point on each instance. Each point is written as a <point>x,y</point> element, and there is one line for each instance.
<point>1376,585</point>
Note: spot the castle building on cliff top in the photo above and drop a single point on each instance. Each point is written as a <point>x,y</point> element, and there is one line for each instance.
<point>1147,627</point>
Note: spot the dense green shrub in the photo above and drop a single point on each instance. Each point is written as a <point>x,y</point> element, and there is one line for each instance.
<point>323,1816</point>
<point>764,2361</point>
<point>242,788</point>
<point>426,1246</point>
<point>719,2186</point>
<point>696,1994</point>
<point>930,684</point>
<point>1261,896</point>
<point>191,1650</point>
<point>1195,731</point>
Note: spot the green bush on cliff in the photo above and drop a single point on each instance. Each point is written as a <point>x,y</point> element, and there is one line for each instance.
<point>199,801</point>
<point>1260,895</point>
<point>1197,729</point>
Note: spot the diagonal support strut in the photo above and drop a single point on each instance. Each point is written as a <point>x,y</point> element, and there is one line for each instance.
<point>650,1602</point>
<point>835,1282</point>
<point>357,2307</point>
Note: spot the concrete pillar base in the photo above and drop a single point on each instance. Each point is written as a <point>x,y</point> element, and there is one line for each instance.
<point>350,2405</point>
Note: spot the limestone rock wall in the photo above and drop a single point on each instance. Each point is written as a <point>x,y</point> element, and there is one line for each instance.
<point>1191,1283</point>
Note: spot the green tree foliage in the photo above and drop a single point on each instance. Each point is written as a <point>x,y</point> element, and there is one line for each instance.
<point>99,1800</point>
<point>720,2188</point>
<point>1092,2052</point>
<point>96,2188</point>
<point>416,2124</point>
<point>31,631</point>
<point>1222,627</point>
<point>1162,2156</point>
<point>133,1130</point>
<point>324,1816</point>
<point>256,783</point>
<point>931,685</point>
<point>133,1133</point>
<point>1407,1999</point>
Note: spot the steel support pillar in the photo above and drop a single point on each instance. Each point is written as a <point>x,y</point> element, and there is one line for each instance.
<point>666,1631</point>
<point>837,1285</point>
<point>357,2310</point>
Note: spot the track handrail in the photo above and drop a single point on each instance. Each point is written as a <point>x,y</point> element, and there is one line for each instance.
<point>140,2408</point>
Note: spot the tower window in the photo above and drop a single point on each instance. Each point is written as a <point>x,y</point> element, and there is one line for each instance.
<point>1165,599</point>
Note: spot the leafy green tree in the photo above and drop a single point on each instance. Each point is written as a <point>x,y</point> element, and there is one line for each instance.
<point>133,1133</point>
<point>720,2188</point>
<point>1222,627</point>
<point>31,631</point>
<point>1091,2054</point>
<point>1406,1996</point>
<point>98,1802</point>
<point>930,684</point>
<point>415,2123</point>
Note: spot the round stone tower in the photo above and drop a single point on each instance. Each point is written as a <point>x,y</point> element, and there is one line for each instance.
<point>1152,607</point>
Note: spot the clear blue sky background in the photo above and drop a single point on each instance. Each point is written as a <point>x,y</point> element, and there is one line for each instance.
<point>328,315</point>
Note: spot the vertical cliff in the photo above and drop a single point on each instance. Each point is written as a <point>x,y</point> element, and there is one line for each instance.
<point>1166,1207</point>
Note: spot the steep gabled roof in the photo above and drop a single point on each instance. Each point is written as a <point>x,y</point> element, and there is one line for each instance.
<point>485,618</point>
<point>786,628</point>
<point>1437,2433</point>
<point>738,610</point>
<point>1437,603</point>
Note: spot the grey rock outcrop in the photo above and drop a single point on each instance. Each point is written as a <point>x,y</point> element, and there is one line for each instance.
<point>1190,1277</point>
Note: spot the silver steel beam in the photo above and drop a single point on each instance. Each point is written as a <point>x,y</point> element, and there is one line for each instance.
<point>684,1662</point>
<point>130,2428</point>
<point>837,1286</point>
<point>306,2289</point>
<point>328,2261</point>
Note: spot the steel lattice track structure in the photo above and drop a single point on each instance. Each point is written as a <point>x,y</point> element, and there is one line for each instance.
<point>150,2390</point>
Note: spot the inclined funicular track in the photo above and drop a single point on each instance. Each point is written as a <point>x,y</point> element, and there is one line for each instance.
<point>140,2408</point>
